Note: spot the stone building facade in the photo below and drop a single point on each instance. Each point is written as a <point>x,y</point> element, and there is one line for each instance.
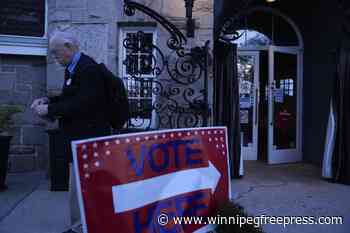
<point>27,70</point>
<point>23,78</point>
<point>98,25</point>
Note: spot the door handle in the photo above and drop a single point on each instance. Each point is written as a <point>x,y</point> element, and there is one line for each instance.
<point>256,105</point>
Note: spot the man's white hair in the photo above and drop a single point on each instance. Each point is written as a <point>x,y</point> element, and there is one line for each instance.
<point>64,38</point>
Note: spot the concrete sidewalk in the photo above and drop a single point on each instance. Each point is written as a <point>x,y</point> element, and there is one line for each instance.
<point>292,190</point>
<point>283,190</point>
<point>29,207</point>
<point>21,186</point>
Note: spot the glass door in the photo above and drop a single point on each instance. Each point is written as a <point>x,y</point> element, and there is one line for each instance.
<point>248,74</point>
<point>284,105</point>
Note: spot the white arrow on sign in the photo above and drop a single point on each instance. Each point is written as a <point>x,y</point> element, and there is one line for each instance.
<point>140,193</point>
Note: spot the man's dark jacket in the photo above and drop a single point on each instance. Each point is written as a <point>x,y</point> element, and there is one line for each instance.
<point>81,108</point>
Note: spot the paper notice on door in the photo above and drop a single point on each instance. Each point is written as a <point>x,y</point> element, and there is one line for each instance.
<point>279,95</point>
<point>244,116</point>
<point>245,102</point>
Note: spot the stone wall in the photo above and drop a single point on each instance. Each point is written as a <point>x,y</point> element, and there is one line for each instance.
<point>22,79</point>
<point>95,23</point>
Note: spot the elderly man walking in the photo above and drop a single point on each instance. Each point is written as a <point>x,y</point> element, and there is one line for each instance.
<point>81,108</point>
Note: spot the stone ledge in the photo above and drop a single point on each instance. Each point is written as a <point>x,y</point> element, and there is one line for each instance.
<point>22,150</point>
<point>22,163</point>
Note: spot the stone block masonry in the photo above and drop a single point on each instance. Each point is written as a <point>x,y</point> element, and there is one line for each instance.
<point>22,79</point>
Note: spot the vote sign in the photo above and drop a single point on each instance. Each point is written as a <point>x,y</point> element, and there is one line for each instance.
<point>126,182</point>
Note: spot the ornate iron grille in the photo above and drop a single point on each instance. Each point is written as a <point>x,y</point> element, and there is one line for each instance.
<point>166,90</point>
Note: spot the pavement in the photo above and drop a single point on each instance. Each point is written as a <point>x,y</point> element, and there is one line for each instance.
<point>29,207</point>
<point>292,190</point>
<point>273,190</point>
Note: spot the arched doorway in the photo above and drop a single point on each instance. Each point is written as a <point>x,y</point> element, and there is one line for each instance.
<point>270,58</point>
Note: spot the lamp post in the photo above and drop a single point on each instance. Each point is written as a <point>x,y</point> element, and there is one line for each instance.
<point>190,24</point>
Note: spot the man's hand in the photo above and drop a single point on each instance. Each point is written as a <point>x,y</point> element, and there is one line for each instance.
<point>39,101</point>
<point>41,109</point>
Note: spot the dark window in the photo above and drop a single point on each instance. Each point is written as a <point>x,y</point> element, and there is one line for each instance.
<point>22,17</point>
<point>141,59</point>
<point>139,64</point>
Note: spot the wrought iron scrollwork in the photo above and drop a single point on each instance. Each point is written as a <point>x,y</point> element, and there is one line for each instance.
<point>135,44</point>
<point>229,31</point>
<point>185,68</point>
<point>169,95</point>
<point>176,40</point>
